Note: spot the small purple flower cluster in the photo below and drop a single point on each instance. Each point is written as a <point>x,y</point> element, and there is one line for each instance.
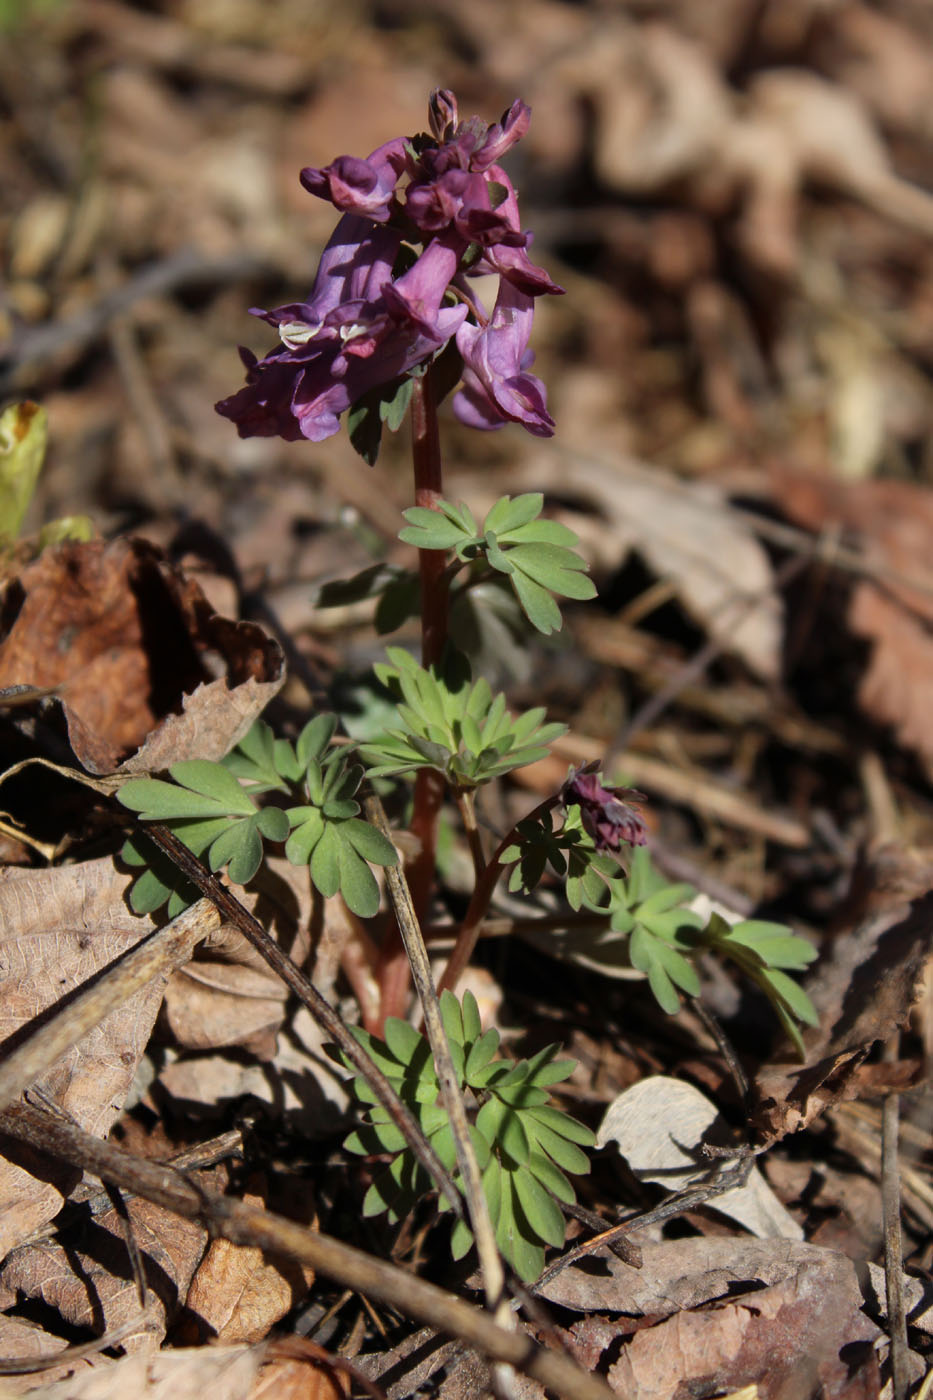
<point>378,311</point>
<point>604,814</point>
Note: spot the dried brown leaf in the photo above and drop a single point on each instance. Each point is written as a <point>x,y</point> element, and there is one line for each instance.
<point>57,929</point>
<point>863,990</point>
<point>803,1335</point>
<point>238,1294</point>
<point>90,1281</point>
<point>659,1126</point>
<point>132,649</point>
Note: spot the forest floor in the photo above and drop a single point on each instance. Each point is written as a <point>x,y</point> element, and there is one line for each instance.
<point>738,202</point>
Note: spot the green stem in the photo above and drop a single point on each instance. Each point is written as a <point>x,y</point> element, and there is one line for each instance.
<point>394,974</point>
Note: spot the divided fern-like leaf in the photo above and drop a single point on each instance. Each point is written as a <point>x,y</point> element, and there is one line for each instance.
<point>461,729</point>
<point>537,556</point>
<point>524,1146</point>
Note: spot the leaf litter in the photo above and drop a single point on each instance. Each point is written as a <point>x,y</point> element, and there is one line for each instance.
<point>751,182</point>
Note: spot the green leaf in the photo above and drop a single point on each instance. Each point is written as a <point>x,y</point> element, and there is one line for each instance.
<point>481,1053</point>
<point>544,532</point>
<point>551,1176</point>
<point>508,514</point>
<point>402,1039</point>
<point>308,829</point>
<point>565,1153</point>
<point>253,759</point>
<point>512,1137</point>
<point>452,1017</point>
<point>524,1254</point>
<point>370,843</point>
<point>273,823</point>
<point>314,738</point>
<point>778,984</point>
<point>240,849</point>
<point>537,604</point>
<point>562,1124</point>
<point>461,1239</point>
<point>543,1216</point>
<point>393,407</point>
<point>212,780</point>
<point>384,404</point>
<point>357,883</point>
<point>430,529</point>
<point>325,862</point>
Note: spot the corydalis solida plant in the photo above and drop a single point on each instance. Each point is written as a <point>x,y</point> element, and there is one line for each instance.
<point>421,219</point>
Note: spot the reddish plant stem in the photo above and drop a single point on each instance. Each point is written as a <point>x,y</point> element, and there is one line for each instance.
<point>469,930</point>
<point>394,976</point>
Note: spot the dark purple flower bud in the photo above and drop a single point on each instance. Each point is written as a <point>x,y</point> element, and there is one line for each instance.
<point>435,204</point>
<point>496,389</point>
<point>604,814</point>
<point>358,186</point>
<point>442,113</point>
<point>503,135</point>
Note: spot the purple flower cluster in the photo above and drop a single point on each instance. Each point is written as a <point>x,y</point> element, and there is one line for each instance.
<point>605,816</point>
<point>379,308</point>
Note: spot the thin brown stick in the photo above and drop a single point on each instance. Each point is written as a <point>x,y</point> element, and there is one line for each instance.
<point>250,1225</point>
<point>451,1095</point>
<point>469,930</point>
<point>893,1245</point>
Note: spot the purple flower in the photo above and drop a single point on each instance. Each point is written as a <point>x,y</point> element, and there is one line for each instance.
<point>605,816</point>
<point>358,330</point>
<point>507,256</point>
<point>358,186</point>
<point>375,315</point>
<point>496,388</point>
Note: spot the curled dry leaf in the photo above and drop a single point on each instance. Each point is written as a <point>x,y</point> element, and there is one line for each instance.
<point>57,929</point>
<point>146,672</point>
<point>238,1294</point>
<point>660,1125</point>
